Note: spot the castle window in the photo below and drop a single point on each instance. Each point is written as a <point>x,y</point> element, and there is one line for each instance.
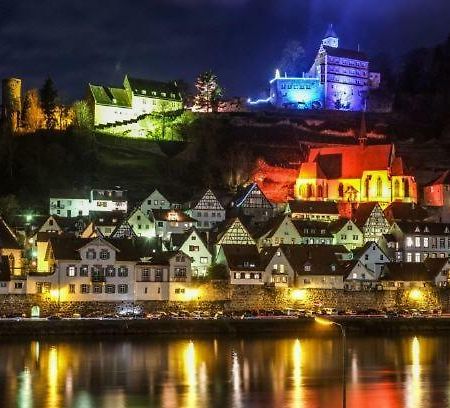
<point>341,190</point>
<point>366,187</point>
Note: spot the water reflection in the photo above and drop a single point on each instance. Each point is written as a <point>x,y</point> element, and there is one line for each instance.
<point>258,372</point>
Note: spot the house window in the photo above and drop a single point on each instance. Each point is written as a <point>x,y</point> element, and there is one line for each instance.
<point>84,288</point>
<point>306,281</point>
<point>409,242</point>
<point>194,248</point>
<point>425,242</point>
<point>417,257</point>
<point>122,288</point>
<point>71,288</point>
<point>203,260</point>
<point>307,268</point>
<point>237,275</point>
<point>104,254</point>
<point>97,289</point>
<point>71,270</point>
<point>18,285</point>
<point>366,257</point>
<point>84,270</point>
<point>110,289</point>
<point>441,242</point>
<point>355,237</point>
<point>417,242</point>
<point>110,271</point>
<point>408,257</point>
<point>122,272</point>
<point>91,254</point>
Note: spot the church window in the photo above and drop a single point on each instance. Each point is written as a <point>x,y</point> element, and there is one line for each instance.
<point>341,190</point>
<point>379,187</point>
<point>406,183</point>
<point>366,187</point>
<point>319,191</point>
<point>396,188</point>
<point>309,191</point>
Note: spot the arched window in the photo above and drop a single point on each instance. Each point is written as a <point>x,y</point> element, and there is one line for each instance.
<point>309,191</point>
<point>379,187</point>
<point>303,191</point>
<point>396,188</point>
<point>366,187</point>
<point>341,190</point>
<point>319,191</point>
<point>406,181</point>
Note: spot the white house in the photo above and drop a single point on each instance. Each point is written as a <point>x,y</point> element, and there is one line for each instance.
<point>208,210</point>
<point>169,222</point>
<point>155,201</point>
<point>141,224</point>
<point>372,257</point>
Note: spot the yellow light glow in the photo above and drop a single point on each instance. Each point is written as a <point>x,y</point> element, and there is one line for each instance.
<point>299,294</point>
<point>54,294</point>
<point>323,321</point>
<point>416,294</point>
<point>192,294</point>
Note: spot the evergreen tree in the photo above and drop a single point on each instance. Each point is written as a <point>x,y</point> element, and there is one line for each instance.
<point>48,95</point>
<point>208,93</point>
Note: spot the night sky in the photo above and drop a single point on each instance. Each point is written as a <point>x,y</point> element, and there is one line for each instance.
<point>99,41</point>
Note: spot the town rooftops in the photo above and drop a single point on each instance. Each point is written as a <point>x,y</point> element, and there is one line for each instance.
<point>7,238</point>
<point>110,96</point>
<point>444,178</point>
<point>177,240</point>
<point>242,257</point>
<point>349,162</point>
<point>399,211</point>
<point>313,207</point>
<point>312,228</point>
<point>160,258</point>
<point>407,272</point>
<point>345,53</point>
<point>150,88</point>
<point>105,218</point>
<point>116,194</point>
<point>423,228</point>
<point>240,199</point>
<point>363,213</point>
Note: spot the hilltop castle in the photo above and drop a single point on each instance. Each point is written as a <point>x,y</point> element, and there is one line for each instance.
<point>339,79</point>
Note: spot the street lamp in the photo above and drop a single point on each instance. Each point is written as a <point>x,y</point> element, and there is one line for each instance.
<point>326,322</point>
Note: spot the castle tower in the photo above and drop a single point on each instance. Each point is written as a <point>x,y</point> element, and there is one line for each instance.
<point>331,39</point>
<point>11,101</point>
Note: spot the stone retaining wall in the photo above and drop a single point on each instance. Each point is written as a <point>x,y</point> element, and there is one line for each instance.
<point>218,296</point>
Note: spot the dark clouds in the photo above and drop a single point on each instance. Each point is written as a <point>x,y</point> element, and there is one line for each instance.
<point>101,40</point>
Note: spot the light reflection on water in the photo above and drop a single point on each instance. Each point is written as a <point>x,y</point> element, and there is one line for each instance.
<point>388,372</point>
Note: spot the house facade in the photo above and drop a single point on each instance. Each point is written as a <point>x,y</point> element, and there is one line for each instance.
<point>313,210</point>
<point>251,202</point>
<point>371,220</point>
<point>169,222</point>
<point>155,201</point>
<point>346,232</point>
<point>208,211</point>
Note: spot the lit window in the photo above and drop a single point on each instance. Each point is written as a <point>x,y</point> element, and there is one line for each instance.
<point>408,257</point>
<point>417,242</point>
<point>425,242</point>
<point>409,242</point>
<point>417,257</point>
<point>104,254</point>
<point>71,270</point>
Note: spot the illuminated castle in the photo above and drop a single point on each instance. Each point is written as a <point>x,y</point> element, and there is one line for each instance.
<point>355,173</point>
<point>339,79</point>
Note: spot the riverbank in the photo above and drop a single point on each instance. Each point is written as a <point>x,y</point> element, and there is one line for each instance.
<point>117,327</point>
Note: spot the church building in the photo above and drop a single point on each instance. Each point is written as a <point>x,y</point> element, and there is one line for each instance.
<point>339,79</point>
<point>355,173</point>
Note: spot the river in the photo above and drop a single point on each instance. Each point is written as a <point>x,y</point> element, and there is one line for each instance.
<point>303,372</point>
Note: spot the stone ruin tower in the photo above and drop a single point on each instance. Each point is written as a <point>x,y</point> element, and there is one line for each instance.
<point>12,102</point>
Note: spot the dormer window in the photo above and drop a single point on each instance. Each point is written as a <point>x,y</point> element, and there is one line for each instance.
<point>144,92</point>
<point>307,268</point>
<point>417,229</point>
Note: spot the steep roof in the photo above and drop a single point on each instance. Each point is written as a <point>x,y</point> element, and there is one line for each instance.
<point>169,88</point>
<point>363,212</point>
<point>241,196</point>
<point>398,211</point>
<point>323,259</point>
<point>330,32</point>
<point>424,228</point>
<point>106,218</point>
<point>345,53</point>
<point>313,207</point>
<point>179,239</point>
<point>359,252</point>
<point>7,238</point>
<point>107,95</point>
<point>242,257</point>
<point>351,161</point>
<point>312,228</point>
<point>444,178</point>
<point>407,272</point>
<point>335,226</point>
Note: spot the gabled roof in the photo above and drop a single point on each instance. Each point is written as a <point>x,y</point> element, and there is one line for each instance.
<point>169,88</point>
<point>313,207</point>
<point>223,228</point>
<point>323,259</point>
<point>242,257</point>
<point>399,168</point>
<point>399,211</point>
<point>8,239</point>
<point>444,178</point>
<point>111,96</point>
<point>352,160</point>
<point>424,228</point>
<point>407,272</point>
<point>312,228</point>
<point>345,53</point>
<point>335,226</point>
<point>178,240</point>
<point>241,196</point>
<point>106,218</point>
<point>359,252</point>
<point>268,229</point>
<point>363,212</point>
<point>160,258</point>
<point>197,198</point>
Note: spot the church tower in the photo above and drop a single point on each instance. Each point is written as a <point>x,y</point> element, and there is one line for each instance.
<point>331,39</point>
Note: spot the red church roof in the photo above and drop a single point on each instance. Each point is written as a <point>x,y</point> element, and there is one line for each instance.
<point>351,161</point>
